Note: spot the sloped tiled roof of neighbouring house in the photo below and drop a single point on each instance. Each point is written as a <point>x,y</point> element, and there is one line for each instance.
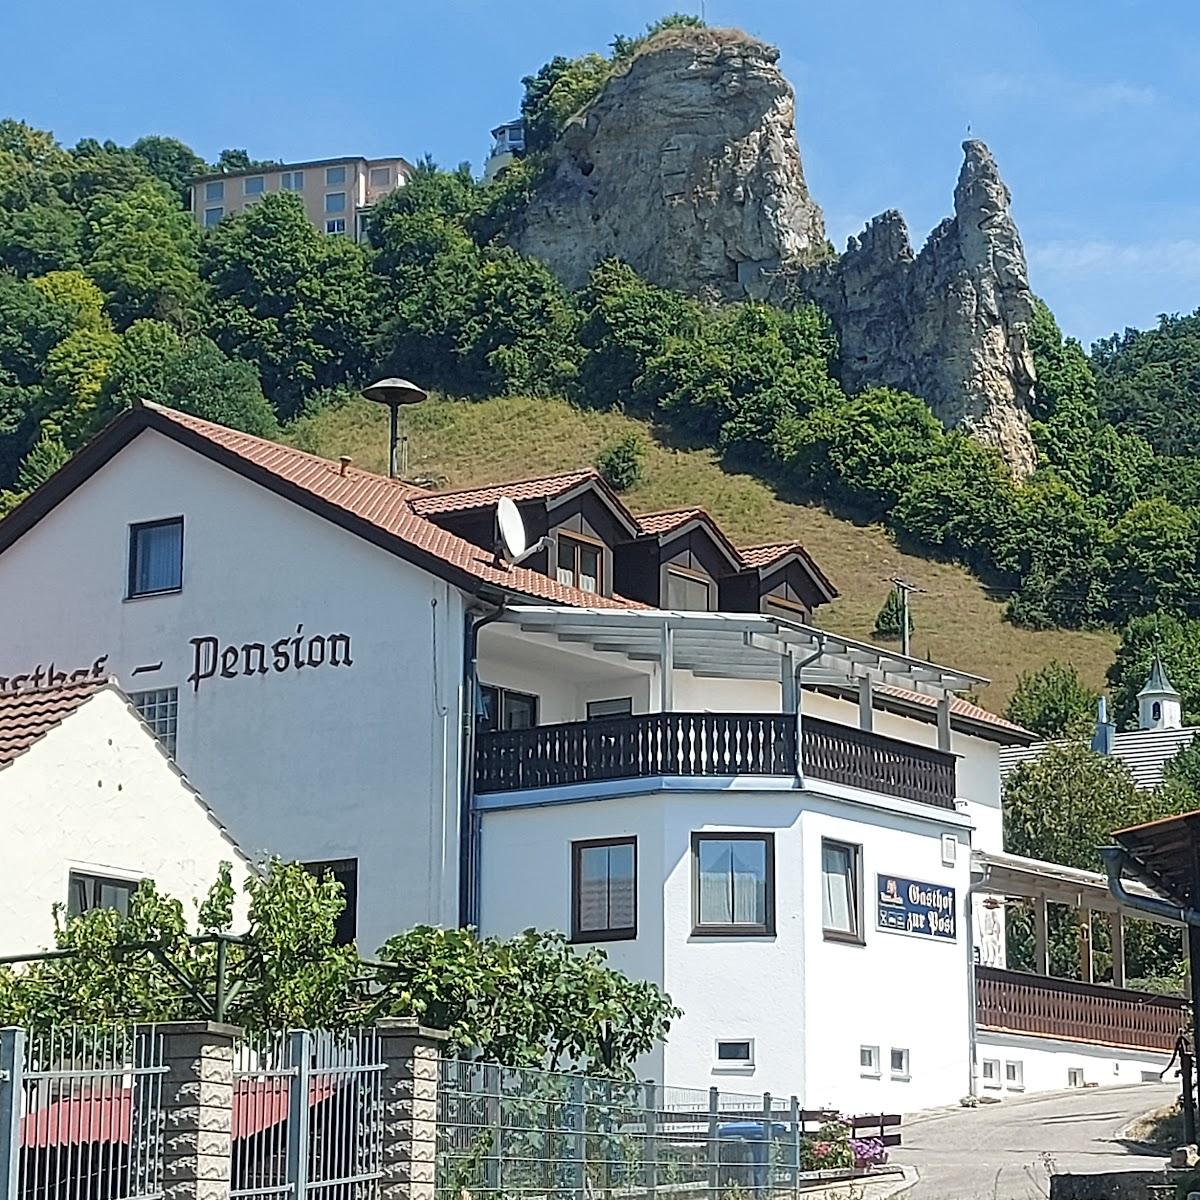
<point>664,522</point>
<point>469,499</point>
<point>772,552</point>
<point>963,709</point>
<point>1145,752</point>
<point>372,506</point>
<point>27,716</point>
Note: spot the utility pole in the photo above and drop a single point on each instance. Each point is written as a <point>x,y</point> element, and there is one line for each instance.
<point>904,588</point>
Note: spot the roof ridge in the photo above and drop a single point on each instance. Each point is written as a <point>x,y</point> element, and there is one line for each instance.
<point>490,487</point>
<point>93,683</point>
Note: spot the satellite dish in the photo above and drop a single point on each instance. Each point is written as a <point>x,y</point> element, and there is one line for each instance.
<point>513,541</point>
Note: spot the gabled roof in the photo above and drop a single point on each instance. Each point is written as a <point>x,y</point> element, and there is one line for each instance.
<point>771,554</point>
<point>468,499</point>
<point>669,519</point>
<point>27,716</point>
<point>677,520</point>
<point>370,506</point>
<point>970,715</point>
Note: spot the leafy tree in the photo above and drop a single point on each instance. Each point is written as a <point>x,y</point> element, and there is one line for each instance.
<point>1053,702</point>
<point>1174,639</point>
<point>234,162</point>
<point>105,170</point>
<point>77,370</point>
<point>289,299</point>
<point>41,462</point>
<point>156,363</point>
<point>170,162</point>
<point>622,463</point>
<point>75,295</point>
<point>556,93</point>
<point>1155,555</point>
<point>142,251</point>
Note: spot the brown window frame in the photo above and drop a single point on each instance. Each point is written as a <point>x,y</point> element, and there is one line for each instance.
<point>857,936</point>
<point>577,540</point>
<point>342,869</point>
<point>769,598</point>
<point>767,928</point>
<point>627,933</point>
<point>696,577</point>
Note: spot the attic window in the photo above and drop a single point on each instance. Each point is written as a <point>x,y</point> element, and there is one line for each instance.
<point>580,563</point>
<point>155,557</point>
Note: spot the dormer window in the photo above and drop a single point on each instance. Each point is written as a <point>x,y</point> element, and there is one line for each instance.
<point>689,591</point>
<point>580,563</point>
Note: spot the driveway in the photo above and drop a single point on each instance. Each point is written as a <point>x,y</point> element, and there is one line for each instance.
<point>1007,1151</point>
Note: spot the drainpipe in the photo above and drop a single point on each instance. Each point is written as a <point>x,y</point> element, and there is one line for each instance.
<point>468,818</point>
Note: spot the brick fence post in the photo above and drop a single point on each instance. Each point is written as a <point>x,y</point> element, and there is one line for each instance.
<point>411,1055</point>
<point>197,1110</point>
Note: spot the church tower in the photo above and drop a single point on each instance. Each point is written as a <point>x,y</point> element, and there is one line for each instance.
<point>1159,705</point>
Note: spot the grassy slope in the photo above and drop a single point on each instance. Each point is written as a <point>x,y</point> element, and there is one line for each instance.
<point>464,443</point>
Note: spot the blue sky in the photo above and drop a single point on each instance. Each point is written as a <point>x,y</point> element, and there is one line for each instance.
<point>1091,106</point>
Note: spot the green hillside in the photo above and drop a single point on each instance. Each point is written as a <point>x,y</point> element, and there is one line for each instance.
<point>462,443</point>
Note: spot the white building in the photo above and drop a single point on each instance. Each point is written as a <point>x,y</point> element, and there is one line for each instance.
<point>92,804</point>
<point>635,735</point>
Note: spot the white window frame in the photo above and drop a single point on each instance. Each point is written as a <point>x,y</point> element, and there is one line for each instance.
<point>291,181</point>
<point>992,1080</point>
<point>735,1065</point>
<point>1075,1077</point>
<point>903,1073</point>
<point>335,176</point>
<point>1014,1080</point>
<point>329,196</point>
<point>857,935</point>
<point>208,212</point>
<point>869,1070</point>
<point>335,221</point>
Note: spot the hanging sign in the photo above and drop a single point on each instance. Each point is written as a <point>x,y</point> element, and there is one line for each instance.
<point>920,909</point>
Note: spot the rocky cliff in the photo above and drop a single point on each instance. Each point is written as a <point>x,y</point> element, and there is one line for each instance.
<point>949,323</point>
<point>686,166</point>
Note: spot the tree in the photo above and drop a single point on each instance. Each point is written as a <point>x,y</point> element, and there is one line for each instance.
<point>234,162</point>
<point>1155,556</point>
<point>1053,702</point>
<point>621,463</point>
<point>170,162</point>
<point>1174,639</point>
<point>558,90</point>
<point>77,297</point>
<point>77,370</point>
<point>889,621</point>
<point>156,363</point>
<point>625,47</point>
<point>142,251</point>
<point>294,302</point>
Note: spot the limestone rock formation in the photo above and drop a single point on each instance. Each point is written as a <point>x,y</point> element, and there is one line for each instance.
<point>685,166</point>
<point>948,324</point>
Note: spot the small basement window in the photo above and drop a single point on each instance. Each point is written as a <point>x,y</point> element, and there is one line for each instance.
<point>899,1063</point>
<point>991,1072</point>
<point>735,1055</point>
<point>1014,1075</point>
<point>1075,1077</point>
<point>868,1061</point>
<point>85,892</point>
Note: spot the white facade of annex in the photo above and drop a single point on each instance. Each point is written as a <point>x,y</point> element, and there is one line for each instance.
<point>98,795</point>
<point>358,759</point>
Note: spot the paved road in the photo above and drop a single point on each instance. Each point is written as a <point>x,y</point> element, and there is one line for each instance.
<point>1007,1151</point>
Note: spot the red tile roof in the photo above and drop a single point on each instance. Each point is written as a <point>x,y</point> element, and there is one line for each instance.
<point>27,716</point>
<point>958,707</point>
<point>386,505</point>
<point>663,522</point>
<point>762,556</point>
<point>484,497</point>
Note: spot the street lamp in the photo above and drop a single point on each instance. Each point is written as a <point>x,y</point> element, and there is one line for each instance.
<point>394,392</point>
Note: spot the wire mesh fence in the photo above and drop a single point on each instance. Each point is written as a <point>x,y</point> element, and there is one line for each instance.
<point>308,1116</point>
<point>81,1113</point>
<point>528,1133</point>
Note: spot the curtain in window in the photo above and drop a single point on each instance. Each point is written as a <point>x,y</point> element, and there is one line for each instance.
<point>716,894</point>
<point>159,550</point>
<point>733,887</point>
<point>837,888</point>
<point>622,902</point>
<point>749,883</point>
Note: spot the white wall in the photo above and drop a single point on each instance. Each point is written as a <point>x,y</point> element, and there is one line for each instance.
<point>1045,1063</point>
<point>808,1004</point>
<point>351,761</point>
<point>98,794</point>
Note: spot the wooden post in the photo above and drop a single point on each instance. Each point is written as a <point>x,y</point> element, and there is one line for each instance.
<point>866,713</point>
<point>1083,924</point>
<point>943,723</point>
<point>1041,941</point>
<point>1116,923</point>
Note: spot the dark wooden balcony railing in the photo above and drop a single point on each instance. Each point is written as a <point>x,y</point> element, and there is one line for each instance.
<point>1063,1008</point>
<point>708,744</point>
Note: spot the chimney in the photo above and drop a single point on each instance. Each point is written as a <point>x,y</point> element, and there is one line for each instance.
<point>344,462</point>
<point>1102,739</point>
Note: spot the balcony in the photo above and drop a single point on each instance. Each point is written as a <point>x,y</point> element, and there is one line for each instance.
<point>1014,1002</point>
<point>706,744</point>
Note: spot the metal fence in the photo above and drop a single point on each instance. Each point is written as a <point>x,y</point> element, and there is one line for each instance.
<point>81,1114</point>
<point>571,1137</point>
<point>308,1116</point>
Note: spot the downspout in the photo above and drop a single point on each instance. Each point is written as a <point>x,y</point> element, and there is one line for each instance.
<point>1116,862</point>
<point>468,818</point>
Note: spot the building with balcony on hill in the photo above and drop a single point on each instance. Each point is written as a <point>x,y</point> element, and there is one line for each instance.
<point>338,193</point>
<point>636,733</point>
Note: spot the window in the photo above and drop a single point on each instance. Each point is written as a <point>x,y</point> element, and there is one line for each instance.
<point>254,185</point>
<point>991,1072</point>
<point>868,1062</point>
<point>292,181</point>
<point>841,891</point>
<point>621,706</point>
<point>214,190</point>
<point>688,592</point>
<point>899,1063</point>
<point>335,225</point>
<point>160,710</point>
<point>212,216</point>
<point>733,885</point>
<point>735,1055</point>
<point>381,176</point>
<point>1156,711</point>
<point>501,709</point>
<point>85,892</point>
<point>604,889</point>
<point>1014,1075</point>
<point>335,202</point>
<point>790,610</point>
<point>335,175</point>
<point>580,563</point>
<point>1074,1077</point>
<point>345,871</point>
<point>949,849</point>
<point>156,557</point>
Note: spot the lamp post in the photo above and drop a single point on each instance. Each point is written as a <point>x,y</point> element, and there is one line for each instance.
<point>394,393</point>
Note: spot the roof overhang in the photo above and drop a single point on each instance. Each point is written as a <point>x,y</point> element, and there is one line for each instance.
<point>736,646</point>
<point>1166,855</point>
